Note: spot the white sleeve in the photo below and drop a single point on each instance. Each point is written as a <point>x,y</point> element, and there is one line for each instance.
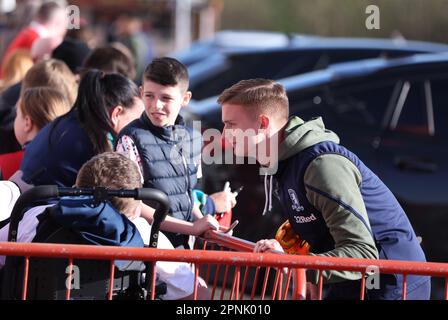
<point>28,225</point>
<point>199,174</point>
<point>178,276</point>
<point>126,146</point>
<point>4,233</point>
<point>26,230</point>
<point>9,193</point>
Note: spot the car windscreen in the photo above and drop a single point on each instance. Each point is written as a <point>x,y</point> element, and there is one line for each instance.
<point>274,65</point>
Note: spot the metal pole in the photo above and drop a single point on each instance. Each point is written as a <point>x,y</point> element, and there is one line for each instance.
<point>182,30</point>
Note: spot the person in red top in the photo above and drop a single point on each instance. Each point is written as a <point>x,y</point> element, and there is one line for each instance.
<point>50,22</point>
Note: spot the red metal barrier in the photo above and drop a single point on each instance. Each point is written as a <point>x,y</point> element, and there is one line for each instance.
<point>233,261</point>
<point>281,288</point>
<point>228,259</point>
<point>404,268</point>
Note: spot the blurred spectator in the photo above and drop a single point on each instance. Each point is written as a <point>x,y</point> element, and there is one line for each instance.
<point>50,21</point>
<point>42,48</point>
<point>129,31</point>
<point>15,68</point>
<point>73,52</point>
<point>55,74</point>
<point>111,59</point>
<point>8,100</point>
<point>36,108</point>
<point>105,104</point>
<point>84,34</point>
<point>52,73</point>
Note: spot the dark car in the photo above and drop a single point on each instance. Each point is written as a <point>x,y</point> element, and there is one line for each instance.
<point>219,69</point>
<point>393,113</point>
<point>237,40</point>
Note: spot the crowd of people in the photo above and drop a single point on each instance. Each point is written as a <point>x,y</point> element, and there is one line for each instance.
<point>71,115</point>
<point>62,113</point>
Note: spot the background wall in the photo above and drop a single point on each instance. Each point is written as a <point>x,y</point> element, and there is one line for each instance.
<point>414,19</point>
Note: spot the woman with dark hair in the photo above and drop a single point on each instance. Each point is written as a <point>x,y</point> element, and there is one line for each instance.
<point>106,103</point>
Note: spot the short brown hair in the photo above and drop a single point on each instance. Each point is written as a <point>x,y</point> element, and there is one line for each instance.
<point>267,96</point>
<point>55,74</point>
<point>167,72</point>
<point>114,171</point>
<point>43,105</point>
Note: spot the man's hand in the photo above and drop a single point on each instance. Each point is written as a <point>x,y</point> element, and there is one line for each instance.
<point>224,200</point>
<point>268,245</point>
<point>204,224</point>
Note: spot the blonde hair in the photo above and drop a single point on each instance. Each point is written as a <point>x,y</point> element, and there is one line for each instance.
<point>15,67</point>
<point>55,74</point>
<point>43,105</point>
<point>267,96</point>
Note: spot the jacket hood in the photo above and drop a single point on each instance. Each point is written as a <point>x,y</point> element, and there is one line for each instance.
<point>300,135</point>
<point>99,224</point>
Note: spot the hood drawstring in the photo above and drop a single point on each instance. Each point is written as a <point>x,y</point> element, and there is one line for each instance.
<point>265,193</point>
<point>268,193</point>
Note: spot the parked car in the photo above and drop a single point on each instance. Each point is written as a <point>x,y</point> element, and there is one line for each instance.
<point>393,113</point>
<point>278,56</point>
<point>237,40</point>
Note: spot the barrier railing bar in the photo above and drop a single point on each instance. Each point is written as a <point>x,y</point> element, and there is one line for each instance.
<point>274,290</point>
<point>237,287</point>
<point>288,283</point>
<point>404,287</point>
<point>237,258</point>
<point>153,282</point>
<point>224,282</point>
<point>320,285</point>
<point>280,286</point>
<point>235,284</point>
<point>25,277</point>
<point>196,275</point>
<point>111,277</point>
<point>215,281</point>
<point>207,273</point>
<point>69,279</point>
<point>243,287</point>
<point>252,294</point>
<point>299,292</point>
<point>363,286</point>
<point>265,282</point>
<point>446,288</point>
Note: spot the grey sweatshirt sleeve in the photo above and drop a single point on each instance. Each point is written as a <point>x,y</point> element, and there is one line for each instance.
<point>333,187</point>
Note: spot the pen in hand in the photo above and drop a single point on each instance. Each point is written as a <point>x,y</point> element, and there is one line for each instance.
<point>235,194</point>
<point>237,191</point>
<point>232,226</point>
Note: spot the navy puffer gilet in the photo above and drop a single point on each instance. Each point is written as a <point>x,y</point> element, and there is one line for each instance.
<point>170,159</point>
